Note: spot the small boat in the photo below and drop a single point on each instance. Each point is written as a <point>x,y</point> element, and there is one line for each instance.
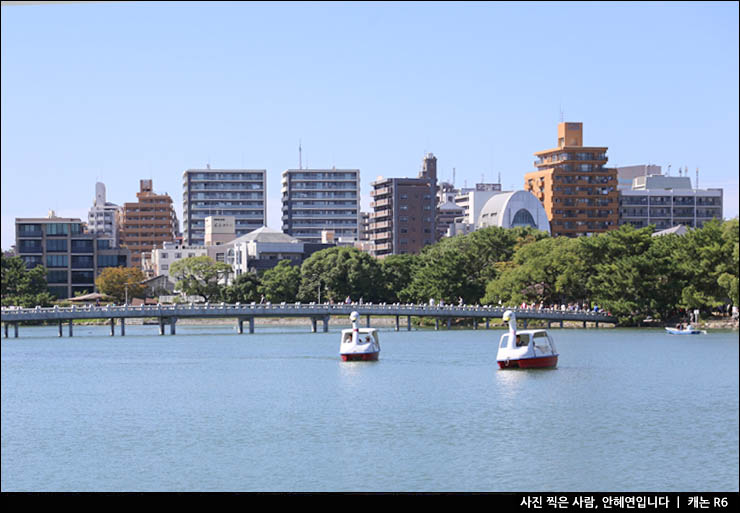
<point>359,344</point>
<point>685,330</point>
<point>525,349</point>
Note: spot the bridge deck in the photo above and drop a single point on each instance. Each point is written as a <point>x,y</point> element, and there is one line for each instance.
<point>168,314</point>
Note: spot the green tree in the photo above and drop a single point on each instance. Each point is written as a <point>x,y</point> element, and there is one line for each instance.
<point>397,272</point>
<point>550,270</point>
<point>244,289</point>
<point>705,255</point>
<point>728,278</point>
<point>23,287</point>
<point>121,283</point>
<point>461,266</point>
<point>341,272</point>
<point>200,276</point>
<point>281,282</point>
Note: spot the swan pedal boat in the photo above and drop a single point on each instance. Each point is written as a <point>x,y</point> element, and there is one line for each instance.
<point>359,344</point>
<point>535,350</point>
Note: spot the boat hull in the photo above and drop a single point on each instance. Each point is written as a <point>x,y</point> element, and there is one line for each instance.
<point>541,362</point>
<point>360,357</point>
<point>674,331</point>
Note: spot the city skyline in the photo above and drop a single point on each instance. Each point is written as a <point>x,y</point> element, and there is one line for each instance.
<point>119,92</point>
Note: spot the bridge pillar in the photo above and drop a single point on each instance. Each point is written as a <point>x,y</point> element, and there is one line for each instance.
<point>123,326</point>
<point>524,321</point>
<point>449,322</point>
<point>398,323</point>
<point>584,324</point>
<point>251,325</point>
<point>436,323</point>
<point>367,322</point>
<point>60,328</point>
<point>15,329</point>
<point>161,326</point>
<point>70,327</point>
<point>597,324</point>
<point>408,323</point>
<point>5,329</point>
<point>561,323</point>
<point>173,320</point>
<point>313,324</point>
<point>239,325</point>
<point>112,326</point>
<point>487,322</point>
<point>326,323</point>
<point>475,323</point>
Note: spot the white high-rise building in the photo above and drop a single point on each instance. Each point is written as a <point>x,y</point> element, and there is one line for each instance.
<point>668,201</point>
<point>238,193</point>
<point>102,217</point>
<point>315,200</point>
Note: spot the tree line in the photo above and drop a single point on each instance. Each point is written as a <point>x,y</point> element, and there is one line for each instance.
<point>627,271</point>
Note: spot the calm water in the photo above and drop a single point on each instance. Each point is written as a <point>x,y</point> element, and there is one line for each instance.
<point>210,410</point>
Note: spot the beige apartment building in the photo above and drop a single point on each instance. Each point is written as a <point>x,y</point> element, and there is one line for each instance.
<point>147,223</point>
<point>578,191</point>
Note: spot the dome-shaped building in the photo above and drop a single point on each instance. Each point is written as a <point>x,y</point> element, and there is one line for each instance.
<point>512,209</point>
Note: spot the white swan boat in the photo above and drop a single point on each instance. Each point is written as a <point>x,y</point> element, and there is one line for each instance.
<point>525,349</point>
<point>359,344</point>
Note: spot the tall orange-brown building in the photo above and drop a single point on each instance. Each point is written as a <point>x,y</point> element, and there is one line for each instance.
<point>147,223</point>
<point>578,192</point>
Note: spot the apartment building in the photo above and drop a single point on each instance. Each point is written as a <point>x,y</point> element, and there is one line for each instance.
<point>404,211</point>
<point>147,223</point>
<point>315,200</point>
<point>73,257</point>
<point>668,201</point>
<point>578,191</point>
<point>102,219</point>
<point>240,193</point>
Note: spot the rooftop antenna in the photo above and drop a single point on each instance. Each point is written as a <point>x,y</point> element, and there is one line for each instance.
<point>453,176</point>
<point>668,171</point>
<point>697,179</point>
<point>300,155</point>
<point>499,177</point>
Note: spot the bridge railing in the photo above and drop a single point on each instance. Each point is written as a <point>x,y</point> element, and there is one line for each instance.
<point>305,308</point>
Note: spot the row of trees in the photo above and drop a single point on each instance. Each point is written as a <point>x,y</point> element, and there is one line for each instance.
<point>626,271</point>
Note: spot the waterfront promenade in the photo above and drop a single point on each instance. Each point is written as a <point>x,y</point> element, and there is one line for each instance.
<point>167,315</point>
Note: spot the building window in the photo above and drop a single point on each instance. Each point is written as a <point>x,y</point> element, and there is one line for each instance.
<point>57,229</point>
<point>82,262</point>
<point>56,276</point>
<point>82,246</point>
<point>30,246</point>
<point>32,261</point>
<point>59,292</point>
<point>83,277</point>
<point>56,260</point>
<point>56,245</point>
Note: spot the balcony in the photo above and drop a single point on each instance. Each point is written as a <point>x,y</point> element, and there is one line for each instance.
<point>381,203</point>
<point>383,191</point>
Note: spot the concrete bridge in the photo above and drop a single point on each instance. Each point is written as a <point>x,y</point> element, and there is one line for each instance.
<point>167,315</point>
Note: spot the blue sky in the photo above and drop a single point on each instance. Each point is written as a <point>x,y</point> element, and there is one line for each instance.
<point>122,91</point>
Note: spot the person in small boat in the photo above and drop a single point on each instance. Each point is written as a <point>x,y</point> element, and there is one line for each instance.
<point>519,342</point>
<point>367,339</point>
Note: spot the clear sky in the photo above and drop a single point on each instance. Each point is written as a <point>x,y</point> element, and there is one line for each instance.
<point>120,91</point>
